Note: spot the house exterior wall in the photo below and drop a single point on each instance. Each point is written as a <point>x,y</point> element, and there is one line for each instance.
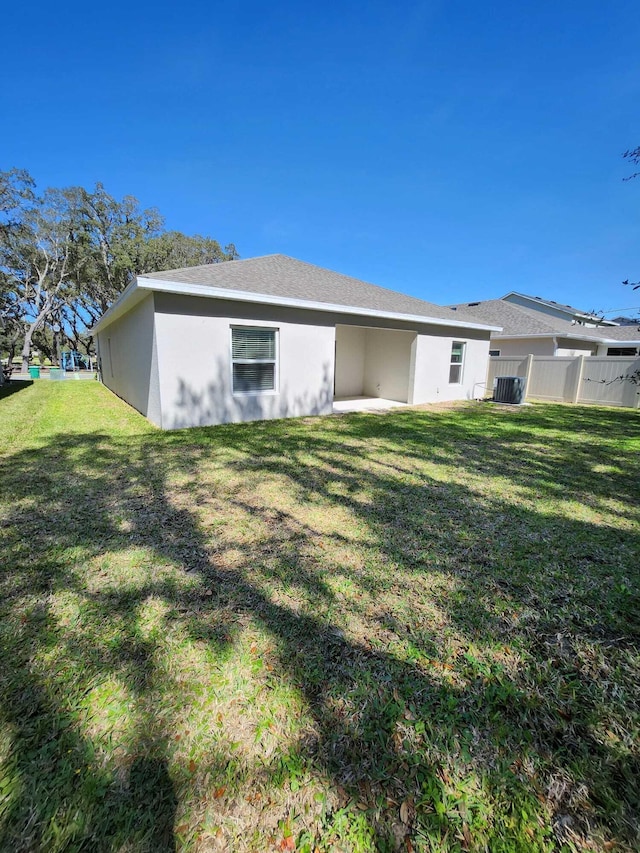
<point>431,365</point>
<point>387,364</point>
<point>128,359</point>
<point>171,358</point>
<point>407,365</point>
<point>194,361</point>
<point>430,358</point>
<point>350,358</point>
<point>193,336</point>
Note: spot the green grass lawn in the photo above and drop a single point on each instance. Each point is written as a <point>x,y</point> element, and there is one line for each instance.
<point>412,631</point>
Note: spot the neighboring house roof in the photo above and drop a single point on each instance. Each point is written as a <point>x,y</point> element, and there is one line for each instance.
<point>280,280</point>
<point>559,306</point>
<point>626,321</point>
<point>519,322</point>
<point>513,319</point>
<point>618,333</point>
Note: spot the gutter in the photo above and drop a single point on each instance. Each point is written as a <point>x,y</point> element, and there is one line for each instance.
<point>613,341</point>
<point>142,286</point>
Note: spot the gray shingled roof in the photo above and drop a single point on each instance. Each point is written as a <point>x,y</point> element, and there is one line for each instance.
<point>617,333</point>
<point>288,278</point>
<point>516,320</point>
<point>513,319</point>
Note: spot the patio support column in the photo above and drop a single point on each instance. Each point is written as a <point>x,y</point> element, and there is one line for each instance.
<point>412,371</point>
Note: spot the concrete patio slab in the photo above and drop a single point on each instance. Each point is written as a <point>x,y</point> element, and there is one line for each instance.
<point>364,404</point>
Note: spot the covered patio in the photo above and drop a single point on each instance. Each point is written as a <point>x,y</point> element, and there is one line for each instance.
<point>372,368</point>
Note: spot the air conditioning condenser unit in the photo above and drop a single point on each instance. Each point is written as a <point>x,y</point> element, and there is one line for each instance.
<point>509,389</point>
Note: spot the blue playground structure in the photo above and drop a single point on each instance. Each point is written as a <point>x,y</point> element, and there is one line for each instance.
<point>71,361</point>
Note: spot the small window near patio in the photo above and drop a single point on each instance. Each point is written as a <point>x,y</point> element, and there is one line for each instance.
<point>617,351</point>
<point>457,360</point>
<point>494,352</point>
<point>253,359</point>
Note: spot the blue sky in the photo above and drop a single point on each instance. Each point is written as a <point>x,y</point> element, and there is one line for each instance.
<point>452,150</point>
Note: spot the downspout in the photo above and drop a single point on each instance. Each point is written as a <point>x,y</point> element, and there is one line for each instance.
<point>555,344</point>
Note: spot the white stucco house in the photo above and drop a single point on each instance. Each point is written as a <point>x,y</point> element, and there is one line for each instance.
<point>274,337</point>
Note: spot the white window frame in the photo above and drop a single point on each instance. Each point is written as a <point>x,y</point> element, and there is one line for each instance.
<point>275,361</point>
<point>459,364</point>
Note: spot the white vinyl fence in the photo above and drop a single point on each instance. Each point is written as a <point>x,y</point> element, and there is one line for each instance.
<point>583,379</point>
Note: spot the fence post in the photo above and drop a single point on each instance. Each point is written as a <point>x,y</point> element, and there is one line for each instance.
<point>527,374</point>
<point>576,390</point>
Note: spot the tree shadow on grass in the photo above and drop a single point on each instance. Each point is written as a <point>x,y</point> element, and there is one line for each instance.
<point>13,387</point>
<point>153,797</point>
<point>455,679</point>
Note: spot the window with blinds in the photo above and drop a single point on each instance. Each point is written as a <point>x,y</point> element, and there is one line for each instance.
<point>253,359</point>
<point>457,360</point>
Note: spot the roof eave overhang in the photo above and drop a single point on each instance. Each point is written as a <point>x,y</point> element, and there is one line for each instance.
<point>130,296</point>
<point>143,285</point>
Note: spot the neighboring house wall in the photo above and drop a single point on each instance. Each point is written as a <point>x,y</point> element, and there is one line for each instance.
<point>128,359</point>
<point>533,304</point>
<point>523,346</point>
<point>604,349</point>
<point>511,348</point>
<point>557,311</point>
<point>194,360</point>
<point>567,347</point>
